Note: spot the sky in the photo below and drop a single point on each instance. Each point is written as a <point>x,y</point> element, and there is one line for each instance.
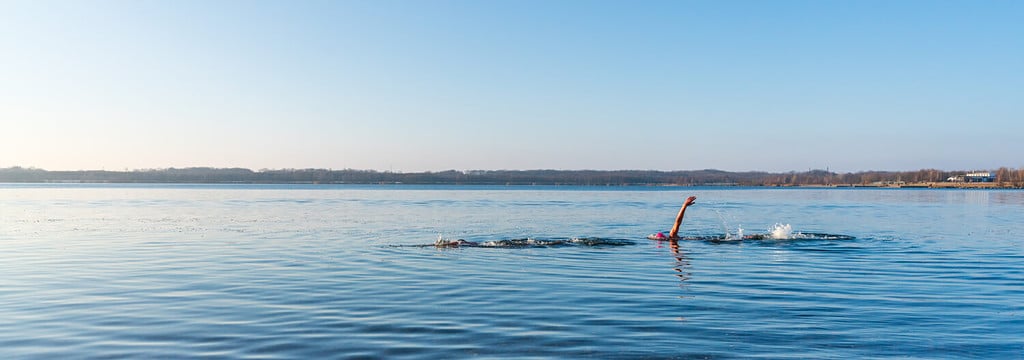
<point>433,85</point>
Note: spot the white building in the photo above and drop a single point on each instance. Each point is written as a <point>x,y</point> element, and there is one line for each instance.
<point>973,177</point>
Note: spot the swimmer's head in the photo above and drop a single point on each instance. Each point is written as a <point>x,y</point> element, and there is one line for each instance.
<point>658,236</point>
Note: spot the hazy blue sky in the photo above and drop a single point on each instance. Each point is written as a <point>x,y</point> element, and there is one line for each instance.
<point>435,85</point>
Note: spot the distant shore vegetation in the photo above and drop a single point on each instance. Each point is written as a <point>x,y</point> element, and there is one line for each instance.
<point>1001,178</point>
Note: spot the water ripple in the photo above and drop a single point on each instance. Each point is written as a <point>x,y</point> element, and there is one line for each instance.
<point>141,272</point>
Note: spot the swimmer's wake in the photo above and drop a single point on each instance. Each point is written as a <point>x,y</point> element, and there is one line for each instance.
<point>777,235</point>
<point>522,243</point>
<point>775,232</point>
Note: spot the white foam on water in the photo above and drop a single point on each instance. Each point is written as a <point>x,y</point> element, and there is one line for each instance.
<point>781,231</point>
<point>737,236</point>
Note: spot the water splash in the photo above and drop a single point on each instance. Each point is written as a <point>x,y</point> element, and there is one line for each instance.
<point>781,231</point>
<point>725,228</point>
<point>737,236</point>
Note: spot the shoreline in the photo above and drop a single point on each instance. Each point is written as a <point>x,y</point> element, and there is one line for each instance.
<point>917,185</point>
<point>1001,179</point>
<point>941,185</point>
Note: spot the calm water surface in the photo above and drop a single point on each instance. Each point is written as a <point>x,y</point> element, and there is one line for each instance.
<point>182,271</point>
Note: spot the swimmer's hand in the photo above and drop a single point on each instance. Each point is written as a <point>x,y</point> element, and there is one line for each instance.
<point>690,201</point>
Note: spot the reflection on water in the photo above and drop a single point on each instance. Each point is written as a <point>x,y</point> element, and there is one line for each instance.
<point>682,263</point>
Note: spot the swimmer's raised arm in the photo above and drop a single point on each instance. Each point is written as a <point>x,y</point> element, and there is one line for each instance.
<point>679,218</point>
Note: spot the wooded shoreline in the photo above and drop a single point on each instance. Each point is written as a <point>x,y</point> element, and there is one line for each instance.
<point>928,178</point>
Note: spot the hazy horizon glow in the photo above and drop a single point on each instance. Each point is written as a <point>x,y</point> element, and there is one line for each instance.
<point>435,85</point>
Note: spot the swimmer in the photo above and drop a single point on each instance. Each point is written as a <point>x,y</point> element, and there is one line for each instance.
<point>674,233</point>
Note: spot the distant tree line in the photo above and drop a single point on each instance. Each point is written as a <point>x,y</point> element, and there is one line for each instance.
<point>204,175</point>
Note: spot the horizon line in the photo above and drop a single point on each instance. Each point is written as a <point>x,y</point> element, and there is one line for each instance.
<point>126,170</point>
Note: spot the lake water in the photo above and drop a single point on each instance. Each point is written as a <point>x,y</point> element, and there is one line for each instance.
<point>247,271</point>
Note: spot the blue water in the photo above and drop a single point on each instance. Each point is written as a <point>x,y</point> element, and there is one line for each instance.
<point>183,271</point>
